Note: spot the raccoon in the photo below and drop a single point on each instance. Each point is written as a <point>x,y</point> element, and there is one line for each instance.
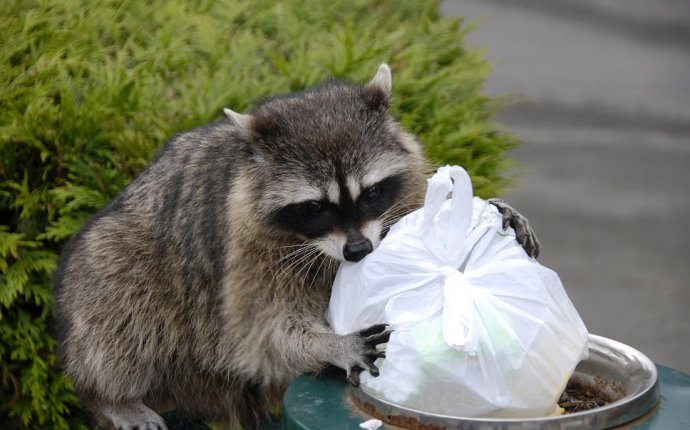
<point>203,285</point>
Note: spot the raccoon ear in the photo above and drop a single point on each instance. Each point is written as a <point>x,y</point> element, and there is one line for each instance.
<point>241,120</point>
<point>377,91</point>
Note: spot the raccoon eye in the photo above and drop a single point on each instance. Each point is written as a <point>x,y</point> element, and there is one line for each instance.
<point>315,206</point>
<point>372,193</point>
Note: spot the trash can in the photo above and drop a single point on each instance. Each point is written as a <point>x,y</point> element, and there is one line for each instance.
<point>658,399</point>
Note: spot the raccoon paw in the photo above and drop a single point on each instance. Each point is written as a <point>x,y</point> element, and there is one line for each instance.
<point>368,338</point>
<point>523,232</point>
<point>134,416</point>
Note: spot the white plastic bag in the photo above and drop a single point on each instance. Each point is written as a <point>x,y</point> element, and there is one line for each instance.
<point>480,328</point>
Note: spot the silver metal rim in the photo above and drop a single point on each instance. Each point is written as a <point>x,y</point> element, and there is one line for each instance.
<point>608,358</point>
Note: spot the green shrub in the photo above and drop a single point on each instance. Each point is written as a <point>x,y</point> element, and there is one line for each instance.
<point>91,89</point>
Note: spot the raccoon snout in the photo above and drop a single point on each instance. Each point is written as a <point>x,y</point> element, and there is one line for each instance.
<point>356,251</point>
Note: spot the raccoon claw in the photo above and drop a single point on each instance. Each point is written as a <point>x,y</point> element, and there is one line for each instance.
<point>375,335</point>
<point>353,375</point>
<point>354,371</point>
<point>372,336</point>
<point>376,328</point>
<point>524,234</point>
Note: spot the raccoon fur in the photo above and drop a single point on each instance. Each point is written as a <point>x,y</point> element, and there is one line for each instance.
<point>203,285</point>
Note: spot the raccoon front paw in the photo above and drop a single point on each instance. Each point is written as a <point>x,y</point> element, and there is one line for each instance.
<point>368,353</point>
<point>133,416</point>
<point>523,232</point>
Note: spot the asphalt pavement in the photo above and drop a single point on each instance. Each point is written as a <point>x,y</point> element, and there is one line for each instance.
<point>605,116</point>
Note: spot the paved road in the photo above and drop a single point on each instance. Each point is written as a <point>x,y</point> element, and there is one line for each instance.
<point>606,163</point>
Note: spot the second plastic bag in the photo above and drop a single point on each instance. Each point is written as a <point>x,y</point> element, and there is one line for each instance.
<point>480,328</point>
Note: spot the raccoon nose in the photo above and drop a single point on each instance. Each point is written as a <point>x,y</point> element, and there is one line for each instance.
<point>358,250</point>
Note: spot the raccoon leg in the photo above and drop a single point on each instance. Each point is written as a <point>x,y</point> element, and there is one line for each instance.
<point>308,346</point>
<point>355,352</point>
<point>523,232</point>
<point>133,415</point>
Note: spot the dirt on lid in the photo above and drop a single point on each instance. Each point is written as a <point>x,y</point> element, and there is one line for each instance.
<point>578,397</point>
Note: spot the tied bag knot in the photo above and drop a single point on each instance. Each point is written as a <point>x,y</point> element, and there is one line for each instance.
<point>459,311</point>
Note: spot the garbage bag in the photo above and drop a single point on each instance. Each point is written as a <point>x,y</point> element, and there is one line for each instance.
<point>480,328</point>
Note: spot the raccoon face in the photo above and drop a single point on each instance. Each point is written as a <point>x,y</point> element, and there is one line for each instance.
<point>345,219</point>
<point>336,167</point>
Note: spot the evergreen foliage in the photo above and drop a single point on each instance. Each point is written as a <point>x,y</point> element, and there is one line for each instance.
<point>90,89</point>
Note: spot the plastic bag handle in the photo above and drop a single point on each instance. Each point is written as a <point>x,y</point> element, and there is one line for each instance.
<point>452,231</point>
